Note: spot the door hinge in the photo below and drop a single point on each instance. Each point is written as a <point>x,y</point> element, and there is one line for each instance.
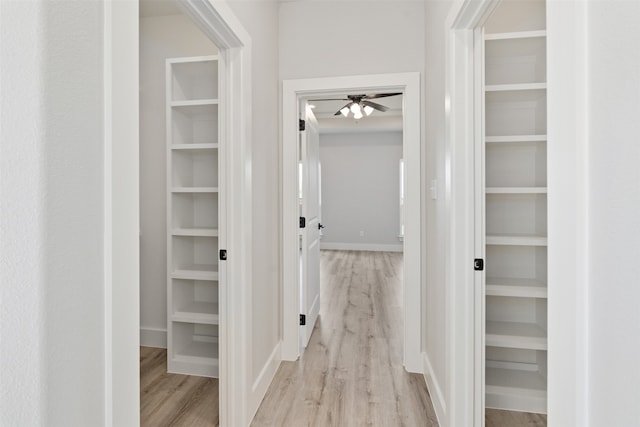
<point>223,254</point>
<point>478,264</point>
<point>303,222</point>
<point>301,125</point>
<point>303,320</point>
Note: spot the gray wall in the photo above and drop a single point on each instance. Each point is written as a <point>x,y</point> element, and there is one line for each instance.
<point>361,190</point>
<point>161,37</point>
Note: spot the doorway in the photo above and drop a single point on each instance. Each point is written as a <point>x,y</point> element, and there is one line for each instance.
<point>293,92</point>
<point>121,207</point>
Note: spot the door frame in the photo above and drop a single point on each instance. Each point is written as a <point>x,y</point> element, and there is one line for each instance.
<point>121,212</point>
<point>292,91</point>
<point>463,298</point>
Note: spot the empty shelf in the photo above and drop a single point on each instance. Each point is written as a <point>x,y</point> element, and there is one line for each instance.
<point>198,232</point>
<point>196,272</point>
<point>516,240</point>
<point>511,287</point>
<point>197,312</point>
<point>516,335</point>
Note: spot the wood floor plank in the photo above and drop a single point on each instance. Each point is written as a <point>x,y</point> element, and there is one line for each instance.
<point>171,400</point>
<point>498,418</point>
<point>351,374</point>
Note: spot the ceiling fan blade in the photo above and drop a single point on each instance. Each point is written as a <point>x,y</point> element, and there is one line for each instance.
<point>382,95</point>
<point>347,106</point>
<point>378,107</point>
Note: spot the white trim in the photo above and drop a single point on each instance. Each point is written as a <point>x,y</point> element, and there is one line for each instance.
<point>108,213</point>
<point>376,247</point>
<point>264,378</point>
<point>121,214</point>
<point>435,390</point>
<point>465,391</point>
<point>409,83</point>
<point>153,337</point>
<point>568,207</point>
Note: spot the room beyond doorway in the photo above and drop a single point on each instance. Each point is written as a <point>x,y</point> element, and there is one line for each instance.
<point>293,92</point>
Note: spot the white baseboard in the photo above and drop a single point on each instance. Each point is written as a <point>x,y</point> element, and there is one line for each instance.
<point>264,378</point>
<point>435,391</point>
<point>377,247</point>
<point>153,337</point>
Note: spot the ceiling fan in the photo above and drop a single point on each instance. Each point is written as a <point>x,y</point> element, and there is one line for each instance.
<point>360,103</point>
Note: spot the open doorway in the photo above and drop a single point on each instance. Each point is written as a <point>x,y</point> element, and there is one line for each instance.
<point>296,90</point>
<point>179,219</point>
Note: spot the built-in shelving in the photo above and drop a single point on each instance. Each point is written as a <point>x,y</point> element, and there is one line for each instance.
<point>516,35</point>
<point>194,190</point>
<point>192,207</point>
<point>516,335</point>
<point>515,207</point>
<point>517,240</point>
<point>515,287</point>
<point>515,87</point>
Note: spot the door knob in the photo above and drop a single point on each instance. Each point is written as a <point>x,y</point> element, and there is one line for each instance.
<point>320,226</point>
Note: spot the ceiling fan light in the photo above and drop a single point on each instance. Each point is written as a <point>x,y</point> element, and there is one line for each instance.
<point>368,110</point>
<point>345,111</point>
<point>355,108</point>
<point>357,115</point>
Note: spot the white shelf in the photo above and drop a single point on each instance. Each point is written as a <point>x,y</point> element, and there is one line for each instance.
<point>194,103</point>
<point>196,272</point>
<point>515,35</point>
<point>192,91</point>
<point>515,335</point>
<point>510,287</point>
<point>515,138</point>
<point>517,240</point>
<point>516,190</point>
<point>203,351</point>
<point>515,390</point>
<point>197,232</point>
<point>197,312</point>
<point>198,358</point>
<point>194,190</point>
<point>195,147</point>
<point>515,87</point>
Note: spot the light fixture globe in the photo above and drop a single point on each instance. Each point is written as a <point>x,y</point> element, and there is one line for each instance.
<point>355,109</point>
<point>345,111</point>
<point>368,110</point>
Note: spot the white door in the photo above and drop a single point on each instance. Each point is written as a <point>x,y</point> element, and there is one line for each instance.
<point>310,211</point>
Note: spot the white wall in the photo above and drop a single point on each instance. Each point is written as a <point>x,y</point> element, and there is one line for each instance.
<point>331,38</point>
<point>361,190</point>
<point>260,19</point>
<point>161,37</point>
<point>52,341</point>
<point>434,318</point>
<point>614,208</point>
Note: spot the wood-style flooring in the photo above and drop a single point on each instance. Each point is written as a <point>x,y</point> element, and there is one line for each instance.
<point>351,373</point>
<point>174,400</point>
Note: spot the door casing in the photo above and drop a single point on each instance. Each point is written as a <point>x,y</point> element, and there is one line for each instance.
<point>292,92</point>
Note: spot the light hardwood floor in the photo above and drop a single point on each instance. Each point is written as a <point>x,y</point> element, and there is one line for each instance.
<point>351,374</point>
<point>171,399</point>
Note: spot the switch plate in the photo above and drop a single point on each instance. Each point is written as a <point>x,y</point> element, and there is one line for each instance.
<point>434,189</point>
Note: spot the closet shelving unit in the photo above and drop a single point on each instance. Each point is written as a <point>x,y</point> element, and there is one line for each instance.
<point>515,218</point>
<point>192,211</point>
